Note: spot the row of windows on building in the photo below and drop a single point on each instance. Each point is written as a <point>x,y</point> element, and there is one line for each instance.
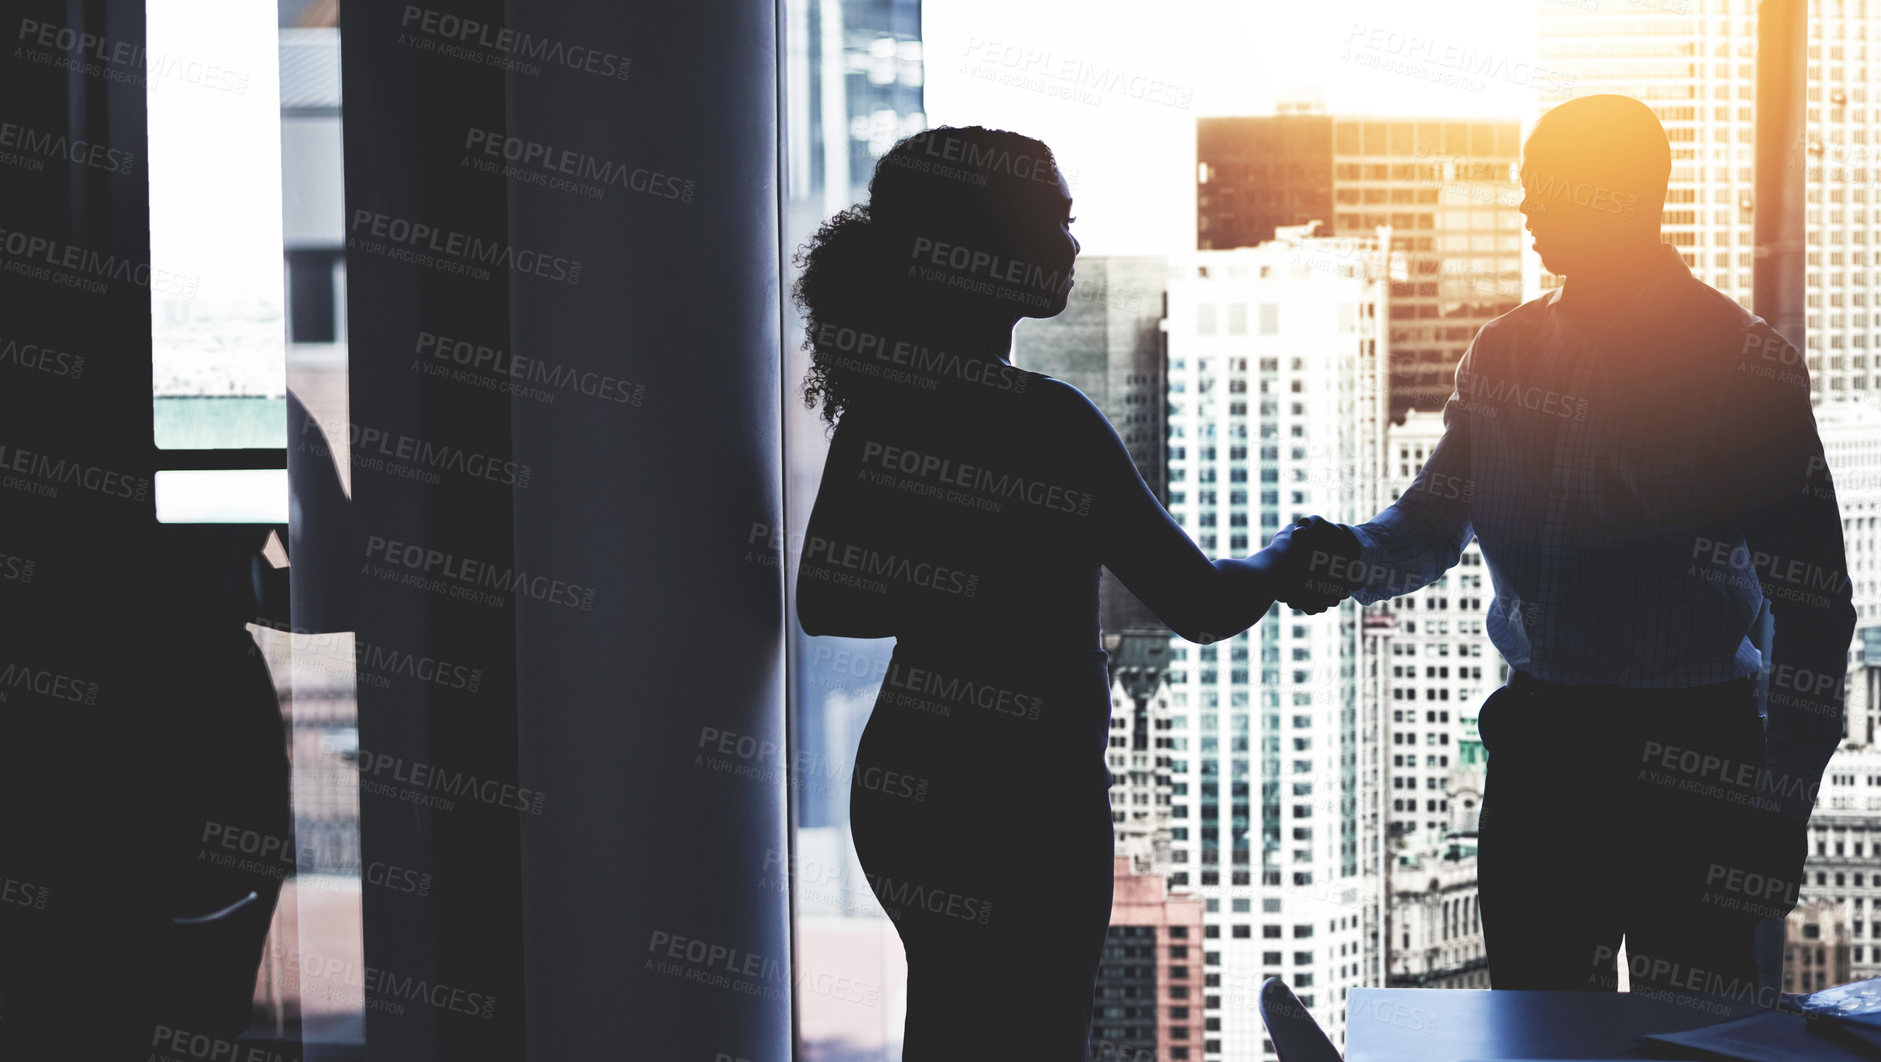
<point>1207,320</point>
<point>1823,876</point>
<point>1237,453</point>
<point>1440,693</point>
<point>1239,409</point>
<point>1403,221</point>
<point>1438,648</point>
<point>1393,195</point>
<point>1442,627</point>
<point>1437,166</point>
<point>1857,9</point>
<point>1235,387</point>
<point>1436,671</point>
<point>1211,878</point>
<point>1433,603</point>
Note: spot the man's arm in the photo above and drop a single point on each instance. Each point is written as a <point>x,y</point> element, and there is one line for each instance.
<point>1793,531</point>
<point>1421,535</point>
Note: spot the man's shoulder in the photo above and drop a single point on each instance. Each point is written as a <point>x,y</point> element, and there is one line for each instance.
<point>1724,337</point>
<point>1521,321</point>
<point>1708,316</point>
<point>1528,313</point>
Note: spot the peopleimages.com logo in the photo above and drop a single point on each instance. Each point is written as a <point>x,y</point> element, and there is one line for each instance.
<point>69,265</point>
<point>535,159</point>
<point>462,252</point>
<point>46,683</point>
<point>37,357</point>
<point>431,778</point>
<point>47,144</point>
<point>43,474</point>
<point>502,46</point>
<point>419,562</point>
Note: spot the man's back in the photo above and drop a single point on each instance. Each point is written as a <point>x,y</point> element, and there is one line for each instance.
<point>1613,472</point>
<point>1639,458</point>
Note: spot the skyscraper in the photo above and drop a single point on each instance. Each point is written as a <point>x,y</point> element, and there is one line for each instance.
<point>854,87</point>
<point>1276,409</point>
<point>1447,189</point>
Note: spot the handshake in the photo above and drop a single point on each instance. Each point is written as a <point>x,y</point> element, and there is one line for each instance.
<point>1313,559</point>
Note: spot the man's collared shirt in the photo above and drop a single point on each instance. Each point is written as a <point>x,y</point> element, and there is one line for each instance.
<point>1639,473</point>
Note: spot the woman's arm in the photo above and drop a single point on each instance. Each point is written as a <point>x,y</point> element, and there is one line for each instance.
<point>1201,600</point>
<point>840,527</point>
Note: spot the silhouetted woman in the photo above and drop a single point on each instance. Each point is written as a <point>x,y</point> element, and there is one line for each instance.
<point>966,507</point>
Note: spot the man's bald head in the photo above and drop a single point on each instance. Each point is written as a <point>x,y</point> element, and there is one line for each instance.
<point>1610,140</point>
<point>1594,174</point>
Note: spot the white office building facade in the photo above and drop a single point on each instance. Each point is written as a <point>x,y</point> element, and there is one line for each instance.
<point>1276,409</point>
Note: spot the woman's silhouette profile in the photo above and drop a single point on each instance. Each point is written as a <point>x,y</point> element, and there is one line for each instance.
<point>965,509</point>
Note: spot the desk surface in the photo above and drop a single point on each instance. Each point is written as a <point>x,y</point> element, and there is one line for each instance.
<point>1444,1025</point>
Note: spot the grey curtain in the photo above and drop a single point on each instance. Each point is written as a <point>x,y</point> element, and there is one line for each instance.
<point>562,262</point>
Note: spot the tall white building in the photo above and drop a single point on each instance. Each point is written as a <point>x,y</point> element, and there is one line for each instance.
<point>1694,63</point>
<point>1276,410</point>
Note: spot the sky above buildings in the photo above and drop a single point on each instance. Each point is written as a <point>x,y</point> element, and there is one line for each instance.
<point>1115,86</point>
<point>215,144</point>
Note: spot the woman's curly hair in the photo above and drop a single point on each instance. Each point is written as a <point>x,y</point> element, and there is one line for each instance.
<point>950,184</point>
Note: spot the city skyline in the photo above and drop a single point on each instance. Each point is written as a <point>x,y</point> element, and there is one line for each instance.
<point>1116,94</point>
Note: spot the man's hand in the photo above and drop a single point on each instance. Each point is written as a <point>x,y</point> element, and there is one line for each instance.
<point>1761,870</point>
<point>1779,847</point>
<point>1315,559</point>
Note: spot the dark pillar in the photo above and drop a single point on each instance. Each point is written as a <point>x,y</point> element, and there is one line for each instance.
<point>600,187</point>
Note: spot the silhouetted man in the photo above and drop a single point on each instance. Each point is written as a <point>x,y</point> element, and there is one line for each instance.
<point>1637,455</point>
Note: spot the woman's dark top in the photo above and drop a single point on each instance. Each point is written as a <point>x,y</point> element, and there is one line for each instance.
<point>980,514</point>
